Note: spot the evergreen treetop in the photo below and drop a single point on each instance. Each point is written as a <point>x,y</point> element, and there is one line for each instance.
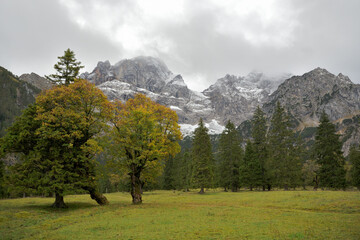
<point>67,68</point>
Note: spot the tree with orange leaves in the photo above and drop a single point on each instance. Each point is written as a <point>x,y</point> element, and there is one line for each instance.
<point>145,133</point>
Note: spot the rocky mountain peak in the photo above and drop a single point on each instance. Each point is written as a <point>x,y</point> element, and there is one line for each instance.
<point>344,78</point>
<point>37,81</point>
<point>308,95</point>
<point>104,65</point>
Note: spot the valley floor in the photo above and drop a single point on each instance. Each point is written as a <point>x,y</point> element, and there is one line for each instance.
<point>180,215</point>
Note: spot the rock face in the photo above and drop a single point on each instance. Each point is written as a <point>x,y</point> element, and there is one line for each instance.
<point>230,98</point>
<point>305,97</point>
<point>235,98</point>
<point>37,81</point>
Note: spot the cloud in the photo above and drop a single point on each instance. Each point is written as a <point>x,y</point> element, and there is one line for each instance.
<point>202,40</point>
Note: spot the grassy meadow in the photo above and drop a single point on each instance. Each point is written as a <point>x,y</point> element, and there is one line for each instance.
<point>180,215</point>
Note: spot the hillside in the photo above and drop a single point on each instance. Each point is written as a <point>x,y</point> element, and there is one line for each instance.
<point>15,95</point>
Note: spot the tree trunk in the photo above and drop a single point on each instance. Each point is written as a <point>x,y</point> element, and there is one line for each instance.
<point>251,187</point>
<point>98,197</point>
<point>269,187</point>
<point>234,189</point>
<point>263,187</point>
<point>225,190</point>
<point>136,188</point>
<point>202,191</point>
<point>59,201</point>
<point>286,187</point>
<point>316,183</point>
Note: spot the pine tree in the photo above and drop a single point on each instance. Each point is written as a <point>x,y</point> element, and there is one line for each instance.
<point>169,173</point>
<point>250,169</point>
<point>230,153</point>
<point>67,68</point>
<point>283,166</point>
<point>329,155</point>
<point>259,130</point>
<point>354,157</point>
<point>202,159</point>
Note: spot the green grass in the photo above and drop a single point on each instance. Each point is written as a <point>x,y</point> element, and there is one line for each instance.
<point>179,215</point>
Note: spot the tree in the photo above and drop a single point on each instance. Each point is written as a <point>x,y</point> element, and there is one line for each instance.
<point>230,153</point>
<point>249,171</point>
<point>185,171</point>
<point>202,159</point>
<point>354,157</point>
<point>328,155</point>
<point>260,147</point>
<point>2,173</point>
<point>284,165</point>
<point>144,132</point>
<point>68,69</point>
<point>309,173</point>
<point>57,138</point>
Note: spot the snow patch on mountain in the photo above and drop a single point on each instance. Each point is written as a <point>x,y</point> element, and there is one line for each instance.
<point>213,126</point>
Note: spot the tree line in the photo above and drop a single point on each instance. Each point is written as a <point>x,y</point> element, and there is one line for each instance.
<point>274,157</point>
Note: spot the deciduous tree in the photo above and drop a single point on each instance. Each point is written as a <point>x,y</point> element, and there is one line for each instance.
<point>144,133</point>
<point>57,137</point>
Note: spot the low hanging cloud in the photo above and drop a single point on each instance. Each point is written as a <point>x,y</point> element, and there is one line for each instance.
<point>202,40</point>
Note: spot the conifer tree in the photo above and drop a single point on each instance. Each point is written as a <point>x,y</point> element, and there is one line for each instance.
<point>170,173</point>
<point>329,155</point>
<point>354,157</point>
<point>230,153</point>
<point>250,169</point>
<point>202,159</point>
<point>185,171</point>
<point>68,69</point>
<point>283,166</point>
<point>259,130</point>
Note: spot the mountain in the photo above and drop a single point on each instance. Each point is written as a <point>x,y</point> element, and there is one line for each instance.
<point>235,98</point>
<point>305,97</point>
<point>230,98</point>
<point>37,81</point>
<point>15,95</point>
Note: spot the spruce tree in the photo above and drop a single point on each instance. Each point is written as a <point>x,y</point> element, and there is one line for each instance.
<point>283,166</point>
<point>250,169</point>
<point>259,130</point>
<point>202,159</point>
<point>68,69</point>
<point>230,153</point>
<point>329,155</point>
<point>354,157</point>
<point>183,171</point>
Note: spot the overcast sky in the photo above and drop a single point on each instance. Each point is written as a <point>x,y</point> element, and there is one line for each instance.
<point>200,39</point>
